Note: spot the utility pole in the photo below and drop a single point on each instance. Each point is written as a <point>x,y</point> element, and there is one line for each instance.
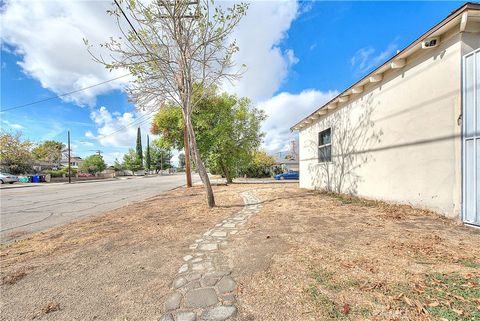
<point>187,157</point>
<point>97,151</point>
<point>293,149</point>
<point>69,163</point>
<point>185,130</point>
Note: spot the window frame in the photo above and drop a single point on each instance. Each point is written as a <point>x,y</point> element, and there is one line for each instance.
<point>324,146</point>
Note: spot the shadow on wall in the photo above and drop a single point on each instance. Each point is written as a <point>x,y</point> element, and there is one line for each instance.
<point>352,133</point>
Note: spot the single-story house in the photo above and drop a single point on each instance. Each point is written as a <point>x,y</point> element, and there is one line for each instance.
<point>286,165</point>
<point>75,161</point>
<point>409,131</point>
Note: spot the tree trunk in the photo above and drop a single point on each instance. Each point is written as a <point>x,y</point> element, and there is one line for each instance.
<point>198,161</point>
<point>226,173</point>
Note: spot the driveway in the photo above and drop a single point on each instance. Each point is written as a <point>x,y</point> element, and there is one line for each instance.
<point>32,209</point>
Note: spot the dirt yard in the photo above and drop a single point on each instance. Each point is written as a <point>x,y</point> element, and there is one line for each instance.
<point>304,256</point>
<point>313,256</point>
<point>118,266</point>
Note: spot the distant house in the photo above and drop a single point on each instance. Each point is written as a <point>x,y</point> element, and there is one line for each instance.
<point>409,131</point>
<point>75,161</point>
<point>286,164</point>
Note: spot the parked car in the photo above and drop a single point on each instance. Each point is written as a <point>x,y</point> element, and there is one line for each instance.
<point>8,178</point>
<point>287,175</point>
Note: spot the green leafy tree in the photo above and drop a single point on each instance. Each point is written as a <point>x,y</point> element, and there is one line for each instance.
<point>260,166</point>
<point>15,153</point>
<point>49,151</point>
<point>93,164</point>
<point>139,148</point>
<point>148,159</point>
<point>132,161</point>
<point>228,130</point>
<point>117,166</point>
<point>168,122</point>
<point>161,156</point>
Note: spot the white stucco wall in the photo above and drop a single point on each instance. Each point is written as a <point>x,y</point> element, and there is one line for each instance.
<point>400,140</point>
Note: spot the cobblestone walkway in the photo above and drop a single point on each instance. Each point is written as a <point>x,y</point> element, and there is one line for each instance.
<point>204,288</point>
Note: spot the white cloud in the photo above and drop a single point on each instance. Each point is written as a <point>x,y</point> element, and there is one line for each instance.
<point>258,37</point>
<point>118,130</point>
<point>366,59</point>
<point>291,58</point>
<point>12,125</point>
<point>284,110</point>
<point>306,6</point>
<point>111,156</point>
<point>49,37</point>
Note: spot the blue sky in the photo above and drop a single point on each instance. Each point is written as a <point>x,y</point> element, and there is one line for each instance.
<point>327,37</point>
<point>298,55</point>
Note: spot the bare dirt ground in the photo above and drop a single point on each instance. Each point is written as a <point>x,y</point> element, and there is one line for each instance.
<point>118,266</point>
<point>304,256</point>
<point>313,256</point>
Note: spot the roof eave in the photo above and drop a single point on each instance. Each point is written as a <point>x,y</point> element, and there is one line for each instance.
<point>397,61</point>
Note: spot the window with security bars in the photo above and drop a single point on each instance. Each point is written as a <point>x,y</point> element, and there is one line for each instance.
<point>325,146</point>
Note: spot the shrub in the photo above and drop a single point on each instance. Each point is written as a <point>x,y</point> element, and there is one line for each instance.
<point>260,166</point>
<point>60,172</point>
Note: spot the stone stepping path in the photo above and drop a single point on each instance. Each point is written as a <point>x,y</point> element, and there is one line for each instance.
<point>204,288</point>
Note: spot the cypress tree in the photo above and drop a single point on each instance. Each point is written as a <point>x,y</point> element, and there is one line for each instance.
<point>147,155</point>
<point>139,147</point>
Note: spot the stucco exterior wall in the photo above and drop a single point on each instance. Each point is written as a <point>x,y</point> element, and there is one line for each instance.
<point>400,140</point>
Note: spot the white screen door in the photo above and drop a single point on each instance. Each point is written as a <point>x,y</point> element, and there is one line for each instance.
<point>471,138</point>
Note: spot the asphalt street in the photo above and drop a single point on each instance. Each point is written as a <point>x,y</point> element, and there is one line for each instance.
<point>29,209</point>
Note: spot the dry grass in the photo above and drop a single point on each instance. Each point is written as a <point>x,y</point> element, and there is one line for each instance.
<point>115,266</point>
<point>334,257</point>
<point>50,307</point>
<point>305,256</point>
<point>163,216</point>
<point>13,278</point>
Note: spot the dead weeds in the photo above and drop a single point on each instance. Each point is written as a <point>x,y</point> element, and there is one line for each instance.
<point>305,256</point>
<point>115,266</point>
<point>13,277</point>
<point>137,222</point>
<point>344,258</point>
<point>50,307</point>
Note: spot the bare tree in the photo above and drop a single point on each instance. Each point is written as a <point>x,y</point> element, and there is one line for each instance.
<point>169,46</point>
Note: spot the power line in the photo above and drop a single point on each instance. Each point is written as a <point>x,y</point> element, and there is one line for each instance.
<point>145,46</point>
<point>186,143</point>
<point>131,26</point>
<point>135,122</point>
<point>65,94</point>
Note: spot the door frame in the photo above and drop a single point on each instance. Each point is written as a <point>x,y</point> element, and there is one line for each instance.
<point>475,102</point>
